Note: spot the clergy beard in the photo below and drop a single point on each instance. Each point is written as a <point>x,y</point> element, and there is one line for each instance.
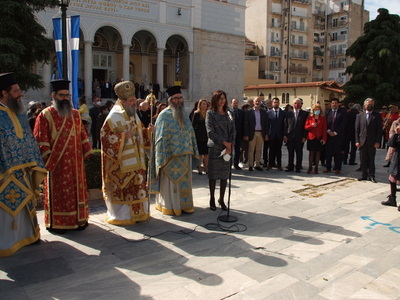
<point>15,104</point>
<point>178,113</point>
<point>63,107</point>
<point>130,110</point>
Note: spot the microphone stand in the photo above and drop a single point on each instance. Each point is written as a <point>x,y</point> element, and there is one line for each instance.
<point>228,218</point>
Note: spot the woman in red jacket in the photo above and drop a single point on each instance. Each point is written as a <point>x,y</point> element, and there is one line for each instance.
<point>316,137</point>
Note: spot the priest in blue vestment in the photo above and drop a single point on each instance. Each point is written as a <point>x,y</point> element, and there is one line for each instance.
<point>174,149</point>
<point>21,171</point>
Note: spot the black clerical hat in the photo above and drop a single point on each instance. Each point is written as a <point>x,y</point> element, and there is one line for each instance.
<point>176,89</point>
<point>6,80</point>
<point>60,84</point>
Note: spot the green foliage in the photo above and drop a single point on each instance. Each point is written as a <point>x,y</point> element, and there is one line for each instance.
<point>376,69</point>
<point>93,170</point>
<point>22,40</point>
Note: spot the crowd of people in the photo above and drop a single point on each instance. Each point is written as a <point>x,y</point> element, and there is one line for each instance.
<point>152,147</point>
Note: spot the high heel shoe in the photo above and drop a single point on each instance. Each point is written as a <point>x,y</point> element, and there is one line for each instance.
<point>309,171</point>
<point>222,204</point>
<point>212,204</point>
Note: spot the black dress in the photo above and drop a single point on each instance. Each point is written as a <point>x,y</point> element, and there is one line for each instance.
<point>199,125</point>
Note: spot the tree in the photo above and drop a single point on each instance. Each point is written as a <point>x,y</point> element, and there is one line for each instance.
<point>22,40</point>
<point>376,69</point>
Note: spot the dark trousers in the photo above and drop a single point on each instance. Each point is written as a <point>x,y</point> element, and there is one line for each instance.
<point>293,147</point>
<point>368,160</point>
<point>333,148</point>
<point>275,152</point>
<point>349,147</point>
<point>236,156</point>
<point>265,153</point>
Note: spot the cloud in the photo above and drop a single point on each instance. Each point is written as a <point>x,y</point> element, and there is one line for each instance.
<point>373,5</point>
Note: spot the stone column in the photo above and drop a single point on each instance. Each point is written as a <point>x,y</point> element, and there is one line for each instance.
<point>160,68</point>
<point>88,71</point>
<point>125,62</point>
<point>46,91</point>
<point>190,75</point>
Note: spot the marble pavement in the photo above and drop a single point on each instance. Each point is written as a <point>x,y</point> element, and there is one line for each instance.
<point>298,236</point>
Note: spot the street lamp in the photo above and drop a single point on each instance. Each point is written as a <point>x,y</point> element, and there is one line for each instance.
<point>64,4</point>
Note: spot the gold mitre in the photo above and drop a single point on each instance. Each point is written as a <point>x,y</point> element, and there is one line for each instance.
<point>125,90</point>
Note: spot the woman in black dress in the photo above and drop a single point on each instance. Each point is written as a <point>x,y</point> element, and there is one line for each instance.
<point>221,135</point>
<point>199,125</point>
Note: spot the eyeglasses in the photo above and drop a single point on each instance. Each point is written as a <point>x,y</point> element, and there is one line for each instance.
<point>177,98</point>
<point>64,95</point>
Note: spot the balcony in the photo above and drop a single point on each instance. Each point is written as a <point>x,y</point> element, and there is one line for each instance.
<point>265,75</point>
<point>337,52</point>
<point>319,26</point>
<point>275,40</point>
<point>317,79</point>
<point>276,25</point>
<point>276,10</point>
<point>275,70</point>
<point>302,1</point>
<point>299,28</point>
<point>294,55</point>
<point>276,53</point>
<point>319,40</point>
<point>337,66</point>
<point>298,70</point>
<point>300,14</point>
<point>318,52</point>
<point>297,44</point>
<point>341,37</point>
<point>319,13</point>
<point>318,68</point>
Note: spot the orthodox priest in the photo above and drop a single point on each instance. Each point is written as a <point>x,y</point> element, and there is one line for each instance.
<point>21,171</point>
<point>175,146</point>
<point>123,142</point>
<point>64,145</point>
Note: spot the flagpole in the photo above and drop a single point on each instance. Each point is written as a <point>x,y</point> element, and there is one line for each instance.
<point>64,5</point>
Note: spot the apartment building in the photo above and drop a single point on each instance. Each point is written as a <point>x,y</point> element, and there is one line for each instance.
<point>304,40</point>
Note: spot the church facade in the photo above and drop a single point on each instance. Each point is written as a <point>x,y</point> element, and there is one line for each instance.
<point>145,41</point>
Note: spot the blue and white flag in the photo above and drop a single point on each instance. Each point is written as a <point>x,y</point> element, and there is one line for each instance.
<point>73,25</point>
<point>177,65</point>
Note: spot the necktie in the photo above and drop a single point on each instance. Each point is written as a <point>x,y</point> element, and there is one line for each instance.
<point>368,117</point>
<point>276,114</point>
<point>333,121</point>
<point>296,116</point>
<point>236,113</point>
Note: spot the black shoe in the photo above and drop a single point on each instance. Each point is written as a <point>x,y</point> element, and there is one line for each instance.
<point>387,165</point>
<point>362,178</point>
<point>212,204</point>
<point>352,163</point>
<point>391,201</point>
<point>372,178</point>
<point>250,168</point>
<point>81,228</point>
<point>237,167</point>
<point>222,204</point>
<point>345,162</point>
<point>56,231</point>
<point>258,168</point>
<point>297,171</point>
<point>359,169</point>
<point>289,170</point>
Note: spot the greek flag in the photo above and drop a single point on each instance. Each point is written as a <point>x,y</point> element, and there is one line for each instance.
<point>73,24</point>
<point>177,65</point>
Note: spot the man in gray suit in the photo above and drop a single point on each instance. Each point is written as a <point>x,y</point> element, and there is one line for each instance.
<point>368,138</point>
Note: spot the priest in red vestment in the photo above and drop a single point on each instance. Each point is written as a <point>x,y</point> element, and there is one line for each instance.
<point>64,146</point>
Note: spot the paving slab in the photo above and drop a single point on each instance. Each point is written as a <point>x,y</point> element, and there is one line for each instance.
<point>298,236</point>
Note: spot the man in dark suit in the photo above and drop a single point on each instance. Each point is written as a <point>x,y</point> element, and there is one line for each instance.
<point>368,138</point>
<point>336,120</point>
<point>350,139</point>
<point>276,117</point>
<point>239,124</point>
<point>294,134</point>
<point>256,132</point>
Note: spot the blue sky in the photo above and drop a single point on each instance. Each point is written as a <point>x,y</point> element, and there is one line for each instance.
<point>373,5</point>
